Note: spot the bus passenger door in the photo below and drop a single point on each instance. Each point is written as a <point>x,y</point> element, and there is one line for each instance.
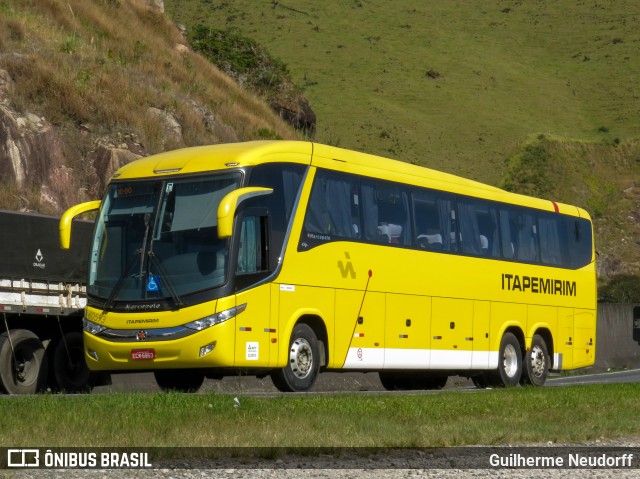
<point>361,337</point>
<point>254,324</point>
<point>407,338</point>
<point>451,333</point>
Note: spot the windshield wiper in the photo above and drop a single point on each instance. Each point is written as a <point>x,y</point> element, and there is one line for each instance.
<point>116,289</point>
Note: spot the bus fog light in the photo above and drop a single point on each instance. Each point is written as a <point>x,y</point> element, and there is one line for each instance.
<point>204,350</point>
<point>92,354</point>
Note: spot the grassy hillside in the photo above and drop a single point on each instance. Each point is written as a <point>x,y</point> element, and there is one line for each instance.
<point>538,97</point>
<point>93,69</point>
<point>450,87</point>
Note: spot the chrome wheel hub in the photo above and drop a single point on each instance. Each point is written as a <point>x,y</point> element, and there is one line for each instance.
<point>301,358</point>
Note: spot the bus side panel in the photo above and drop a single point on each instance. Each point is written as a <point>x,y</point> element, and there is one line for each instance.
<point>584,345</point>
<point>452,333</point>
<point>565,339</point>
<point>295,302</point>
<point>503,316</point>
<point>274,334</point>
<point>481,326</point>
<point>363,346</point>
<point>253,345</point>
<point>542,317</point>
<point>407,333</point>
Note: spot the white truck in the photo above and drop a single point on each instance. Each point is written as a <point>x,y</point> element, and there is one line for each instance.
<point>42,299</point>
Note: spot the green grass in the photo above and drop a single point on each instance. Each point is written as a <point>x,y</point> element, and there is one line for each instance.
<point>492,417</point>
<point>452,88</point>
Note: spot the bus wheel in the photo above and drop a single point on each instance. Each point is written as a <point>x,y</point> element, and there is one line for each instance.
<point>179,380</point>
<point>510,361</point>
<point>23,367</point>
<point>304,362</point>
<point>70,371</point>
<point>536,363</point>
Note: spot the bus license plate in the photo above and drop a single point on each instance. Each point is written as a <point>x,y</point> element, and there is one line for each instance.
<point>143,354</point>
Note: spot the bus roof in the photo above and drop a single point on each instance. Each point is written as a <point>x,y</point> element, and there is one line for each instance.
<point>236,155</point>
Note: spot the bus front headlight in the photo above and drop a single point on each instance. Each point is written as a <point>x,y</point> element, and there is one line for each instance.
<point>221,317</point>
<point>91,327</point>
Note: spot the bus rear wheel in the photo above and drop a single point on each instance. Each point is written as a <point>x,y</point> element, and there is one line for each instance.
<point>510,361</point>
<point>509,369</point>
<point>536,362</point>
<point>302,369</point>
<point>179,380</point>
<point>23,365</point>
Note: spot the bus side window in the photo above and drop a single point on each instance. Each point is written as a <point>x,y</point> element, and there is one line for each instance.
<point>252,252</point>
<point>333,210</point>
<point>386,211</point>
<point>579,238</point>
<point>427,222</point>
<point>550,250</point>
<point>519,235</point>
<point>506,240</point>
<point>470,240</point>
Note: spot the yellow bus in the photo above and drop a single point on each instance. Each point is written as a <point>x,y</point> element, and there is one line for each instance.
<point>287,258</point>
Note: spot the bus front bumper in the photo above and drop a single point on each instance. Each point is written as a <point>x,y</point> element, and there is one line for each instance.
<point>209,348</point>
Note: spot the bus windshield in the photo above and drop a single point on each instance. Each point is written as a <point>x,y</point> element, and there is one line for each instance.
<point>158,239</point>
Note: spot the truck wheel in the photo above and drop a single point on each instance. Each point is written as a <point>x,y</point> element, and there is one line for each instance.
<point>23,370</point>
<point>536,362</point>
<point>179,380</point>
<point>70,371</point>
<point>304,362</point>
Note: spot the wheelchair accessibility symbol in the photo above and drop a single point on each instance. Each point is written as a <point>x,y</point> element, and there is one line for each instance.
<point>153,285</point>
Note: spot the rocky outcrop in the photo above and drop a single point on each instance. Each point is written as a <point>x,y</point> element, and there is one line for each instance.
<point>107,160</point>
<point>34,157</point>
<point>297,112</point>
<point>31,152</point>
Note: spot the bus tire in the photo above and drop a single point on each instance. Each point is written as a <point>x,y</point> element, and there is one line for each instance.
<point>509,361</point>
<point>70,371</point>
<point>179,380</point>
<point>536,362</point>
<point>23,370</point>
<point>302,369</point>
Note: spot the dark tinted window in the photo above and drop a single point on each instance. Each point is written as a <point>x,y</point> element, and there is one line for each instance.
<point>333,211</point>
<point>386,213</point>
<point>478,228</point>
<point>434,221</point>
<point>344,206</point>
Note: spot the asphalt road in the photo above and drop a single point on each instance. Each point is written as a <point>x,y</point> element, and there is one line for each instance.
<point>339,382</point>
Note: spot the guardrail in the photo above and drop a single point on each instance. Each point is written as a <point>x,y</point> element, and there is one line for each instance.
<point>618,337</point>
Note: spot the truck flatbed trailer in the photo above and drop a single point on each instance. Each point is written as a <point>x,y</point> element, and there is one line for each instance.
<point>42,301</point>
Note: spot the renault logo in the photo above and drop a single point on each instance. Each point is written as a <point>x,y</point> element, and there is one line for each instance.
<point>141,336</point>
